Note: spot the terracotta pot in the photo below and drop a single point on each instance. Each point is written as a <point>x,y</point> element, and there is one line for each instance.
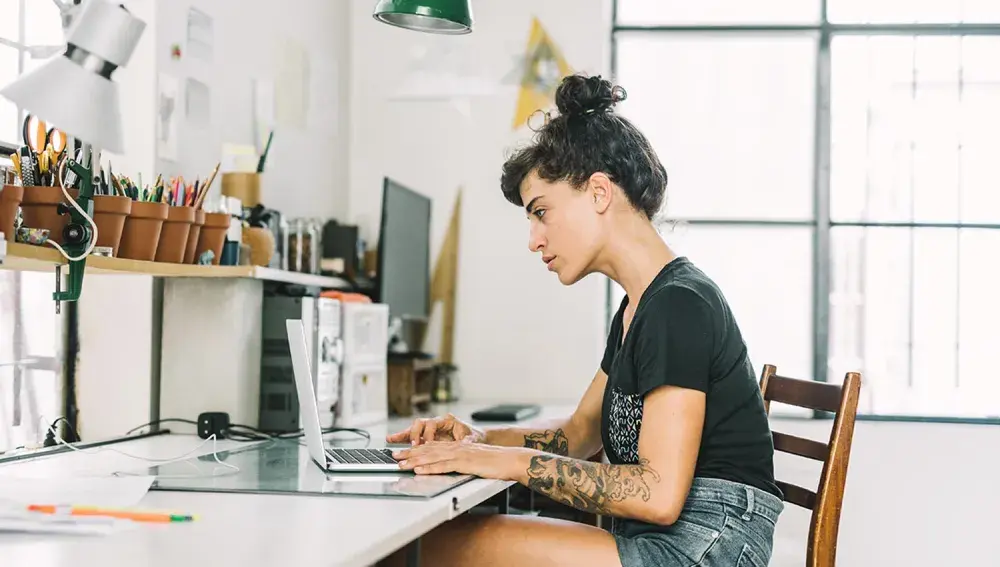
<point>142,229</point>
<point>192,242</point>
<point>40,209</point>
<point>110,212</point>
<point>212,236</point>
<point>10,200</point>
<point>174,236</point>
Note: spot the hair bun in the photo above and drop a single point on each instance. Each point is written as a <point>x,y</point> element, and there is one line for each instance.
<point>578,95</point>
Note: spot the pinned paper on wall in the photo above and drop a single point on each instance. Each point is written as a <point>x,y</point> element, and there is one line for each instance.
<point>200,35</point>
<point>198,103</point>
<point>539,70</point>
<point>292,85</point>
<point>262,120</point>
<point>167,116</point>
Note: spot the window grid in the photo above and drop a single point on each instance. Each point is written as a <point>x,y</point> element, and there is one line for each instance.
<point>21,45</point>
<point>823,256</point>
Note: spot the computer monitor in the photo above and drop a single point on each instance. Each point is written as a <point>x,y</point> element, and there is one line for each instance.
<point>404,251</point>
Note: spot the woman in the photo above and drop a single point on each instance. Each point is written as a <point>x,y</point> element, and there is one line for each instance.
<point>675,404</point>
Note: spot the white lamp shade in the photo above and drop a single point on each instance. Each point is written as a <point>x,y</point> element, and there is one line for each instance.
<point>79,102</point>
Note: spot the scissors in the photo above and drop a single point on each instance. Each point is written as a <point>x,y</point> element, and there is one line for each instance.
<point>47,145</point>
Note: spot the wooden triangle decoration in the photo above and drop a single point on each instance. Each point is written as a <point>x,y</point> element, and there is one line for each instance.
<point>444,283</point>
<point>543,67</point>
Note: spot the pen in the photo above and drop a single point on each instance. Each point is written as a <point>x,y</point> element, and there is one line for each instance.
<point>109,513</point>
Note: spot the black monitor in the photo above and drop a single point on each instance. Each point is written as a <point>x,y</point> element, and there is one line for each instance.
<point>404,244</point>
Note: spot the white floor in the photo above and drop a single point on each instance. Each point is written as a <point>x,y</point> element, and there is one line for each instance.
<point>918,494</point>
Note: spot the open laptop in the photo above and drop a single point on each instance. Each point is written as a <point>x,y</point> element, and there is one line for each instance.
<point>332,459</point>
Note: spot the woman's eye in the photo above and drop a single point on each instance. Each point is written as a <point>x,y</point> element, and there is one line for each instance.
<point>539,213</point>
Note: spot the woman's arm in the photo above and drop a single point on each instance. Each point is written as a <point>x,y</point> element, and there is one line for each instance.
<point>655,489</point>
<point>576,436</point>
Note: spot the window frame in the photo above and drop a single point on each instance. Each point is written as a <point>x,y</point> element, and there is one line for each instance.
<point>21,45</point>
<point>821,220</point>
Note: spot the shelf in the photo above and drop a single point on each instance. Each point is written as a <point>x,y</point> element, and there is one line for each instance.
<point>42,259</point>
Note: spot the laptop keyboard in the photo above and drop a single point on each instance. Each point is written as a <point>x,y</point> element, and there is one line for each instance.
<point>362,456</point>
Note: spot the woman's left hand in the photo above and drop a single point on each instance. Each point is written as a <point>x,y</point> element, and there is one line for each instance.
<point>486,461</point>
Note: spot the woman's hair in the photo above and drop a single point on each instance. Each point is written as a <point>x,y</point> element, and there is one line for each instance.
<point>587,137</point>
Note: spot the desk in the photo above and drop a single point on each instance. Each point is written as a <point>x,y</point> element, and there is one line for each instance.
<point>246,530</point>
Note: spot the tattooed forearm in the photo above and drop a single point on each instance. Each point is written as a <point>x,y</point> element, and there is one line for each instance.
<point>591,487</point>
<point>554,442</point>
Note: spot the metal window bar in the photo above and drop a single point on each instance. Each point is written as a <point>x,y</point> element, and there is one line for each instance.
<point>821,198</point>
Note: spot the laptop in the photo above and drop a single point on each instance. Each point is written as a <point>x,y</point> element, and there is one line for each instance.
<point>332,459</point>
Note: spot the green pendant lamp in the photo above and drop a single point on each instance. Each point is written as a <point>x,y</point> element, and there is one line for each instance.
<point>453,17</point>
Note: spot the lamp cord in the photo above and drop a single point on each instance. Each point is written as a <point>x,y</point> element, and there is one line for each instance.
<point>93,225</point>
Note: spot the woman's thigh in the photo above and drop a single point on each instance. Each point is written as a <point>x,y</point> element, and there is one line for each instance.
<point>501,540</point>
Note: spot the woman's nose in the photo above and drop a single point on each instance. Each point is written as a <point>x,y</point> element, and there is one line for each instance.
<point>535,239</point>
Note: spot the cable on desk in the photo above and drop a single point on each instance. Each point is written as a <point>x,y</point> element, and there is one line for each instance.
<point>159,421</point>
<point>50,439</point>
<point>241,432</point>
<point>248,433</point>
<point>159,462</point>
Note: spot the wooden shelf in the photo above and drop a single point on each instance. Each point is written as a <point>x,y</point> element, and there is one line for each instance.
<point>44,258</point>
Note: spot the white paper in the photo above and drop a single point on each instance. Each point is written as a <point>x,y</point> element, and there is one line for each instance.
<point>168,111</point>
<point>17,493</point>
<point>36,523</point>
<point>292,85</point>
<point>198,107</point>
<point>108,492</point>
<point>200,35</point>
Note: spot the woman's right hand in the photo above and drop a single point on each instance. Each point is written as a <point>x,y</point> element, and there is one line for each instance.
<point>442,428</point>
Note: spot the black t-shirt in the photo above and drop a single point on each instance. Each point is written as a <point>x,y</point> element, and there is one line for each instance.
<point>684,334</point>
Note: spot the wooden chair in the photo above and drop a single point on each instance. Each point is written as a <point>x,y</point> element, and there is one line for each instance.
<point>826,502</point>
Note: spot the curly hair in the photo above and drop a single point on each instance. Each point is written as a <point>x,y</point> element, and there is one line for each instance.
<point>586,137</point>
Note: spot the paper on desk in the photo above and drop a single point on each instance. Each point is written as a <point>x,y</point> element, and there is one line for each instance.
<point>36,523</point>
<point>109,492</point>
<point>16,493</point>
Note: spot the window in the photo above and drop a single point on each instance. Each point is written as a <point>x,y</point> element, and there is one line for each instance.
<point>726,112</point>
<point>30,362</point>
<point>703,12</point>
<point>30,331</point>
<point>900,196</point>
<point>30,32</point>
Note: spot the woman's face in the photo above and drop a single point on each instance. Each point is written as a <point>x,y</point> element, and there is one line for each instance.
<point>566,225</point>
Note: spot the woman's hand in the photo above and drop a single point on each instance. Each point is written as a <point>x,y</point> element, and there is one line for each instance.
<point>443,428</point>
<point>486,461</point>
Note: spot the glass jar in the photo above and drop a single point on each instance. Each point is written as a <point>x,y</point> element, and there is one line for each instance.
<point>298,245</point>
<point>315,245</point>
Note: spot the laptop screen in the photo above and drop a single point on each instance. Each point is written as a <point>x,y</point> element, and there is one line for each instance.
<point>304,388</point>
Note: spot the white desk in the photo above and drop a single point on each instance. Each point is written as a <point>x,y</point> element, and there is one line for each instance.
<point>246,530</point>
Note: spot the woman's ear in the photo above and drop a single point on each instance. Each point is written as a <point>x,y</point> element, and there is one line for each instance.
<point>601,191</point>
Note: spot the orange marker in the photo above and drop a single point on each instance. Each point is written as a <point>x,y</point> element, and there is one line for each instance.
<point>108,513</point>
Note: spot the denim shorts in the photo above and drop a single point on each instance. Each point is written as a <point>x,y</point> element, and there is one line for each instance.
<point>723,523</point>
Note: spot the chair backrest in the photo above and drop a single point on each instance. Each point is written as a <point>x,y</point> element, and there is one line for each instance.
<point>826,501</point>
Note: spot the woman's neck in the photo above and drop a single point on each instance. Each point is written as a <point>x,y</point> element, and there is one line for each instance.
<point>634,257</point>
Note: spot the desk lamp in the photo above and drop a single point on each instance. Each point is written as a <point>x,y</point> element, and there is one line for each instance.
<point>75,93</point>
<point>453,17</point>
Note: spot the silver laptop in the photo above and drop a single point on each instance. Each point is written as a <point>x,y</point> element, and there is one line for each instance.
<point>333,459</point>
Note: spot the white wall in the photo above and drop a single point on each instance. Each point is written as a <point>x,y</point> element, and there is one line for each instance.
<point>520,335</point>
<point>917,494</point>
<point>137,86</point>
<point>307,166</point>
<point>306,173</point>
